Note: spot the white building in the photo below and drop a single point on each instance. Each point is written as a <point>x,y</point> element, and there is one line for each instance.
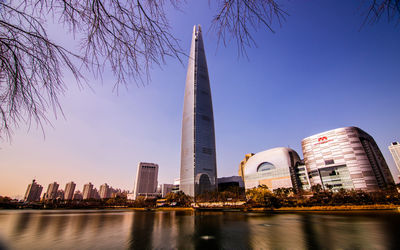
<point>146,180</point>
<point>69,190</point>
<point>394,149</point>
<point>347,158</point>
<point>273,168</point>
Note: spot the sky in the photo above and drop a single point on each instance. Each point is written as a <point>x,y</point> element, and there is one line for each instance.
<point>319,71</point>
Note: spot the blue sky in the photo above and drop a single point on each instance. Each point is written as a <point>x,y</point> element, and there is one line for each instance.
<point>319,71</point>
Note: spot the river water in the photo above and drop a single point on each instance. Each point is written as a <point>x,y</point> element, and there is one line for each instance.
<point>128,229</point>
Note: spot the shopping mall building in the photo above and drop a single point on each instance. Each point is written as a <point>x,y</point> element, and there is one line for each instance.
<point>346,158</point>
<point>275,168</point>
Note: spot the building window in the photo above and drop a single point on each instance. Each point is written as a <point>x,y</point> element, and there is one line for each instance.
<point>208,151</point>
<point>265,166</point>
<point>329,162</point>
<point>205,118</point>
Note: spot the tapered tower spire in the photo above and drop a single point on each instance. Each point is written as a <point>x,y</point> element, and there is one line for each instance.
<point>198,158</point>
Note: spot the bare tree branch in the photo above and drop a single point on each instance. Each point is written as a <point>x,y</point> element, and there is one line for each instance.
<point>238,19</point>
<point>379,8</point>
<point>127,36</point>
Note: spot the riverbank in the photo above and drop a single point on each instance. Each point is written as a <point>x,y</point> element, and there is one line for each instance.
<point>331,208</point>
<point>371,208</point>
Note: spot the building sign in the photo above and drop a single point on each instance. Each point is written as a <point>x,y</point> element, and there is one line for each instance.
<point>322,140</point>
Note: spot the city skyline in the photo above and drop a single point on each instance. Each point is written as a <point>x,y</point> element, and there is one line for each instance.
<point>318,72</point>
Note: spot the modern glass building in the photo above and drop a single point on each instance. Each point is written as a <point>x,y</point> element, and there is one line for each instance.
<point>346,158</point>
<point>198,158</point>
<point>275,168</point>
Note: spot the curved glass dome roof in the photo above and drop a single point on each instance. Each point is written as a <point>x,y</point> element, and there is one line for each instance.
<point>265,166</point>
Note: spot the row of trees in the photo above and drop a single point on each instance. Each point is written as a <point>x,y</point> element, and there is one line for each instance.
<point>286,197</point>
<point>256,197</point>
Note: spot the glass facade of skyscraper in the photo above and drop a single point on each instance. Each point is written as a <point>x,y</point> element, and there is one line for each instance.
<point>198,155</point>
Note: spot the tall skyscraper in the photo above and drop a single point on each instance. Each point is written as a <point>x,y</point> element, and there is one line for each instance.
<point>394,149</point>
<point>198,157</point>
<point>52,189</point>
<point>146,180</point>
<point>69,190</point>
<point>33,192</point>
<point>87,191</point>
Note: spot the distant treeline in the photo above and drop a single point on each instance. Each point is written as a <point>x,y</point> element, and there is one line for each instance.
<point>256,197</point>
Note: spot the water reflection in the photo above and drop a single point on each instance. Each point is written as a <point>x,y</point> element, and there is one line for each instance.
<point>142,230</point>
<point>121,229</point>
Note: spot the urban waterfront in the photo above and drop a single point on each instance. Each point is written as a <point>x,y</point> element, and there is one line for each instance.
<point>122,229</point>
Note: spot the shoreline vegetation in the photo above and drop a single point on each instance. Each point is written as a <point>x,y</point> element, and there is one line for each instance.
<point>259,199</point>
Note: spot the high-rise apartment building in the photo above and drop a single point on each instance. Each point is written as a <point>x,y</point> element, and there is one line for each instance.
<point>394,149</point>
<point>51,192</point>
<point>69,190</point>
<point>105,191</point>
<point>33,192</point>
<point>346,158</point>
<point>198,171</point>
<point>95,194</point>
<point>87,191</point>
<point>78,195</point>
<point>146,180</point>
<point>60,194</point>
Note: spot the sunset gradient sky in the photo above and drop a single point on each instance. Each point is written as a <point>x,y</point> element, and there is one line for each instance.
<point>319,71</point>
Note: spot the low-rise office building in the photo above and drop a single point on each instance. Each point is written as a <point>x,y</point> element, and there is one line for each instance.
<point>225,183</point>
<point>346,158</point>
